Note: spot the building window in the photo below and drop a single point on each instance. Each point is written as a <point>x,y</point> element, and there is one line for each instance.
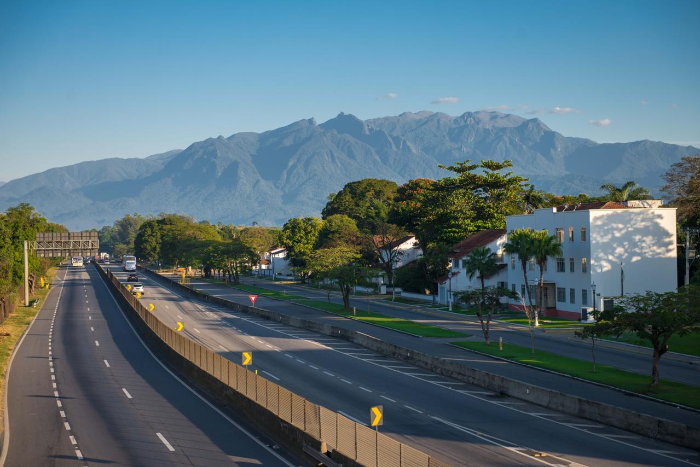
<point>561,294</point>
<point>572,295</point>
<point>522,291</point>
<point>560,265</point>
<point>503,285</point>
<point>512,288</point>
<point>584,297</point>
<point>572,265</point>
<point>571,234</point>
<point>545,265</point>
<point>512,261</point>
<point>560,234</point>
<point>464,264</point>
<point>531,265</point>
<point>584,265</point>
<point>583,234</point>
<point>533,291</point>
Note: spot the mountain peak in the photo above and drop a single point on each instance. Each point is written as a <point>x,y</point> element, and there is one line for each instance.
<point>346,124</point>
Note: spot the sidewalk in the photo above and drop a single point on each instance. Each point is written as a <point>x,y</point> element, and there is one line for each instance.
<point>442,349</point>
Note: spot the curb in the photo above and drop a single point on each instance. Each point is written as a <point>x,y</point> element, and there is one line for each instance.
<point>639,350</point>
<point>624,391</point>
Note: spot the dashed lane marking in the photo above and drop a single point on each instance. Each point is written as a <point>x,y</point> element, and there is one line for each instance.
<point>165,441</point>
<point>365,389</point>
<point>345,381</point>
<point>352,418</point>
<point>97,344</point>
<point>411,408</point>
<point>106,363</point>
<point>388,398</point>
<point>126,393</point>
<point>66,425</point>
<point>271,375</point>
<point>72,439</point>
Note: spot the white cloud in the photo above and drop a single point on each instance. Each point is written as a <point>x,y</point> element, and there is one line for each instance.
<point>645,103</point>
<point>391,95</point>
<point>603,122</point>
<point>446,100</point>
<point>554,110</point>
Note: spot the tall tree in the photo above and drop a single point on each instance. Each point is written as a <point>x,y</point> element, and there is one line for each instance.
<point>481,262</point>
<point>544,246</point>
<point>520,243</point>
<point>337,230</point>
<point>299,236</point>
<point>148,241</point>
<point>628,191</point>
<point>258,238</point>
<point>360,201</point>
<point>337,263</point>
<point>683,187</point>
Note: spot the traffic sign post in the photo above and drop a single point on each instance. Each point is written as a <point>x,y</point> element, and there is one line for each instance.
<point>151,307</point>
<point>179,326</point>
<point>253,298</point>
<point>247,358</point>
<point>376,415</point>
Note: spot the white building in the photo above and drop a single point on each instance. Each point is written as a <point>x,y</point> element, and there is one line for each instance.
<point>457,279</point>
<point>621,247</point>
<point>276,262</point>
<point>404,250</point>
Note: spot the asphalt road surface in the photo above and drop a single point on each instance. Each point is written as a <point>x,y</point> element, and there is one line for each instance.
<point>449,419</point>
<point>84,390</point>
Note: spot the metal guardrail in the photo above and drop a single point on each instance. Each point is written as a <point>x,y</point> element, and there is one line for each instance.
<point>349,438</point>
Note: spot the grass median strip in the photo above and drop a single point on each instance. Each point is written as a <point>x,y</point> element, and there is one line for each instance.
<point>547,322</point>
<point>252,289</point>
<point>420,329</point>
<point>671,391</point>
<point>688,344</point>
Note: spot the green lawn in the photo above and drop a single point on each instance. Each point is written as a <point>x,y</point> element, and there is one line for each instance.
<point>547,322</point>
<point>667,390</point>
<point>252,289</point>
<point>399,324</point>
<point>688,344</point>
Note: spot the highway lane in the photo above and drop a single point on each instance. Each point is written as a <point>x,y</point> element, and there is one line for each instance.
<point>559,343</point>
<point>84,390</point>
<point>433,413</point>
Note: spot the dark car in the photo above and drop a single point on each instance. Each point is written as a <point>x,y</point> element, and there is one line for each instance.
<point>132,278</point>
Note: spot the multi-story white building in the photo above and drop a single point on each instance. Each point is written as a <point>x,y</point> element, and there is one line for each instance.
<point>621,247</point>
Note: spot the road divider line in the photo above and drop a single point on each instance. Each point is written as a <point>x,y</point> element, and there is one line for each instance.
<point>67,426</point>
<point>352,418</point>
<point>388,398</point>
<point>126,393</point>
<point>79,454</point>
<point>271,375</point>
<point>345,381</point>
<point>314,367</point>
<point>72,439</point>
<point>329,373</point>
<point>106,363</point>
<point>165,441</point>
<point>58,403</point>
<point>365,389</point>
<point>411,408</point>
<point>63,414</point>
<point>97,344</point>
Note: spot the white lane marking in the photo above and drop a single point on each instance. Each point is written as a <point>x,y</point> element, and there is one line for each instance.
<point>97,343</point>
<point>268,345</point>
<point>388,398</point>
<point>314,367</point>
<point>165,441</point>
<point>329,373</point>
<point>54,385</point>
<point>489,394</point>
<point>72,440</point>
<point>90,318</point>
<point>106,363</point>
<point>225,349</point>
<point>300,361</point>
<point>270,374</point>
<point>66,425</point>
<point>365,389</point>
<point>198,331</point>
<point>63,414</point>
<point>58,403</point>
<point>51,370</point>
<point>287,355</point>
<point>195,393</point>
<point>166,306</point>
<point>345,381</point>
<point>180,317</point>
<point>352,418</point>
<point>92,329</point>
<point>411,408</point>
<point>126,393</point>
<point>79,454</point>
<point>446,382</point>
<point>53,377</point>
<point>55,393</point>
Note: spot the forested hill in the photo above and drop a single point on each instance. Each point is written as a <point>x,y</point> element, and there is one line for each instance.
<point>272,176</point>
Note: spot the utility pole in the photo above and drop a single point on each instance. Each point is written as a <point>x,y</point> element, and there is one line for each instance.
<point>622,278</point>
<point>687,256</point>
<point>26,274</point>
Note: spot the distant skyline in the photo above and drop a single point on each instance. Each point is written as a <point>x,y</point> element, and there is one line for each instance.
<point>91,80</point>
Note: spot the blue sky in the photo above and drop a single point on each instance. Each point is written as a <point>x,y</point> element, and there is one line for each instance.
<point>90,80</point>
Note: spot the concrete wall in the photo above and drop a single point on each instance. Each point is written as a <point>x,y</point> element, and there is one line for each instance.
<point>645,425</point>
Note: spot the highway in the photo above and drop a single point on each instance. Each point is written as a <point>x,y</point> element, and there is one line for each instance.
<point>449,419</point>
<point>84,390</point>
<point>685,370</point>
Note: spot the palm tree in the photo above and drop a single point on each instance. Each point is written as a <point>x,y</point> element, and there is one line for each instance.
<point>533,199</point>
<point>520,243</point>
<point>544,246</point>
<point>628,191</point>
<point>481,262</point>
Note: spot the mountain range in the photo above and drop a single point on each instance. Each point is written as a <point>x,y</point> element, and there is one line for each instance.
<point>288,172</point>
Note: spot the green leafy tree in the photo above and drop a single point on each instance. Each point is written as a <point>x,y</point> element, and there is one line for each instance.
<point>337,230</point>
<point>654,317</point>
<point>683,187</point>
<point>361,200</point>
<point>148,241</point>
<point>337,263</point>
<point>259,239</point>
<point>533,199</point>
<point>628,191</point>
<point>520,243</point>
<point>486,301</point>
<point>543,246</point>
<point>299,236</point>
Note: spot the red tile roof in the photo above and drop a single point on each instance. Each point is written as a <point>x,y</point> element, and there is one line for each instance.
<point>477,240</point>
<point>589,206</point>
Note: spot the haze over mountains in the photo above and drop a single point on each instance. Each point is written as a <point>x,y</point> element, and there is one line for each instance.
<point>288,172</point>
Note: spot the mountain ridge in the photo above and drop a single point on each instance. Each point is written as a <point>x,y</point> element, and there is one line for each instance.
<point>286,172</point>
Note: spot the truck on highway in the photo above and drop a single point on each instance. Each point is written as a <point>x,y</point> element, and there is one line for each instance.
<point>76,261</point>
<point>129,263</point>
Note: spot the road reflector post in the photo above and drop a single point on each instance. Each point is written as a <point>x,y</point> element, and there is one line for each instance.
<point>500,343</point>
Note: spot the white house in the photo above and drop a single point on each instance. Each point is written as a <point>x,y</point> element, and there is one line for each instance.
<point>621,247</point>
<point>404,250</point>
<point>276,262</point>
<point>457,279</point>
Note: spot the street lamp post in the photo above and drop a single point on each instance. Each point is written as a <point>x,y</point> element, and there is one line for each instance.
<point>595,314</point>
<point>449,293</point>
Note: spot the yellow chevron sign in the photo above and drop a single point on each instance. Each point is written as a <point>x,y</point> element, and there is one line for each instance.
<point>247,358</point>
<point>376,415</point>
<point>151,307</point>
<point>128,286</point>
<point>179,326</point>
